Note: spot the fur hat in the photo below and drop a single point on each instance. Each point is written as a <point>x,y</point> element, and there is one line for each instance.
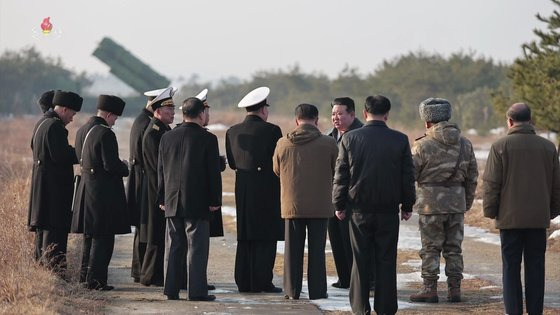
<point>110,103</point>
<point>45,101</point>
<point>67,99</point>
<point>435,110</point>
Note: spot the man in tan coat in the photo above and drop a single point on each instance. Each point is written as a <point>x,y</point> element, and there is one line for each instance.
<point>304,160</point>
<point>522,192</point>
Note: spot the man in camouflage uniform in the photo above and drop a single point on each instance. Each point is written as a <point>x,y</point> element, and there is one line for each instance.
<point>446,173</point>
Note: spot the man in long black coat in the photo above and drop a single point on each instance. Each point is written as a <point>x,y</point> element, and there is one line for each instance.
<point>189,188</point>
<point>164,111</point>
<point>50,199</point>
<point>100,204</point>
<point>249,147</point>
<point>135,186</point>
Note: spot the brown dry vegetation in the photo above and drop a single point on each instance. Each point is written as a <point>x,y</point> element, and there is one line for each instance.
<point>25,286</point>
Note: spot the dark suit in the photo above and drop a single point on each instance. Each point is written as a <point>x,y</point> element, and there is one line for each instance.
<point>152,265</point>
<point>339,235</point>
<point>100,206</point>
<point>136,190</point>
<point>50,198</point>
<point>189,182</point>
<point>374,175</point>
<point>250,146</point>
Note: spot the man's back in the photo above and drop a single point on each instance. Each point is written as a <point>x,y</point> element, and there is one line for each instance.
<point>376,170</point>
<point>525,166</point>
<point>189,172</point>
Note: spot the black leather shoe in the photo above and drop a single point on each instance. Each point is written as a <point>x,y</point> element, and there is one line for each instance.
<point>172,297</point>
<point>207,298</point>
<point>136,280</point>
<point>326,296</point>
<point>211,287</point>
<point>340,286</point>
<point>272,289</point>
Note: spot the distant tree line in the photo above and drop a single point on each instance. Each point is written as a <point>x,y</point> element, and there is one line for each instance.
<point>463,78</point>
<point>26,74</point>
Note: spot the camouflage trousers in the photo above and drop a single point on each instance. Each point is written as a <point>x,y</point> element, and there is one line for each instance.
<point>442,234</point>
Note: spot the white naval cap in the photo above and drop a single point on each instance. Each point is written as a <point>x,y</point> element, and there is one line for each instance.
<point>254,97</point>
<point>154,93</point>
<point>202,95</point>
<point>165,98</point>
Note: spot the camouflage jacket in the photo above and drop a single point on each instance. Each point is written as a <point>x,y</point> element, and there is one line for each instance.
<point>435,156</point>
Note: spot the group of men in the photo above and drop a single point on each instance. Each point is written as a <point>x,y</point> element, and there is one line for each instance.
<point>353,182</point>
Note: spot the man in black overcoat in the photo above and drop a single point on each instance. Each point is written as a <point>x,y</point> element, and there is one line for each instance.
<point>50,202</point>
<point>100,204</point>
<point>249,147</point>
<point>135,186</point>
<point>189,188</point>
<point>374,176</point>
<point>164,111</point>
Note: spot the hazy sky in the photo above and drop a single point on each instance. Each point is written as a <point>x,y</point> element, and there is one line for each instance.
<point>220,38</point>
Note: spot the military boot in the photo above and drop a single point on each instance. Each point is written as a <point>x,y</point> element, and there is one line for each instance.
<point>428,293</point>
<point>454,290</point>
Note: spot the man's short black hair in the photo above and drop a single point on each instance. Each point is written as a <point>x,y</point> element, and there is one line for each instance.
<point>306,112</point>
<point>377,105</point>
<point>519,112</point>
<point>346,101</point>
<point>192,107</point>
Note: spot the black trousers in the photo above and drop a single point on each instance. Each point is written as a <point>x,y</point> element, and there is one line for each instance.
<point>84,262</point>
<point>186,243</point>
<point>254,264</point>
<point>50,249</point>
<point>152,266</point>
<point>138,251</point>
<point>98,250</point>
<point>38,252</point>
<point>339,237</point>
<point>380,231</point>
<point>293,257</point>
<point>529,244</point>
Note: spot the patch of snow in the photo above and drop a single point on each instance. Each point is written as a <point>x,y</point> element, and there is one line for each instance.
<point>228,194</point>
<point>554,235</point>
<point>472,132</point>
<point>230,211</point>
<point>556,220</point>
<point>217,127</point>
<point>481,235</point>
<point>490,287</point>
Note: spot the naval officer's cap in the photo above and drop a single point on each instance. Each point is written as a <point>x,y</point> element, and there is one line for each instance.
<point>165,98</point>
<point>154,93</point>
<point>67,99</point>
<point>110,103</point>
<point>201,96</point>
<point>255,99</point>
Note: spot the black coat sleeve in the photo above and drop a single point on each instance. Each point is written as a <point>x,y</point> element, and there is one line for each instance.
<point>408,190</point>
<point>229,153</point>
<point>341,177</point>
<point>110,156</point>
<point>161,182</point>
<point>60,151</point>
<point>213,172</point>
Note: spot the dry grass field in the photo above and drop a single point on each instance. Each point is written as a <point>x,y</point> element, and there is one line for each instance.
<point>25,286</point>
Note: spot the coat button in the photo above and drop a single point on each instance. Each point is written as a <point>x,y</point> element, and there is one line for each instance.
<point>259,168</point>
